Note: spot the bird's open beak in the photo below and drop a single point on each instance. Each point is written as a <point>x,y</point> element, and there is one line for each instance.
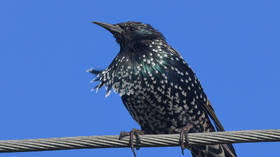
<point>110,27</point>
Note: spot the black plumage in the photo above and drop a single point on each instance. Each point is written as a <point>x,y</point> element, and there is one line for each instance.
<point>158,88</point>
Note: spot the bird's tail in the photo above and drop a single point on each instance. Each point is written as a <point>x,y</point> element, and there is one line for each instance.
<point>219,150</point>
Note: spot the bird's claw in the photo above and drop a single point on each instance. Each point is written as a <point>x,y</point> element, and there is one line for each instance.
<point>183,139</point>
<point>131,134</point>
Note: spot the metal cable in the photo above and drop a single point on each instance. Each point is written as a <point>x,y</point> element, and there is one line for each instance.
<point>163,140</point>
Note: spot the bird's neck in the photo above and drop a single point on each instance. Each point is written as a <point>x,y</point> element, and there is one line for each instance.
<point>140,45</point>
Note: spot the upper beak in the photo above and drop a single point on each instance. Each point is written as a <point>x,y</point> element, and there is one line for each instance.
<point>110,27</point>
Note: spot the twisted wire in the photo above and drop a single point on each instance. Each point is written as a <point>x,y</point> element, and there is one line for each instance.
<point>161,140</point>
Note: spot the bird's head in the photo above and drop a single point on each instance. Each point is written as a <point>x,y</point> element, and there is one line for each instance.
<point>131,31</point>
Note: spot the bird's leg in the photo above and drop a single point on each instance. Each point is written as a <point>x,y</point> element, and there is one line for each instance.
<point>184,140</point>
<point>131,134</point>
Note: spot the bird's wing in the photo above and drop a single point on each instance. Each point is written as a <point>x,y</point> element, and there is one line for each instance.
<point>209,109</point>
<point>206,106</point>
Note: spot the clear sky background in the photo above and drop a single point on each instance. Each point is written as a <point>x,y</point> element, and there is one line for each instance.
<point>46,47</point>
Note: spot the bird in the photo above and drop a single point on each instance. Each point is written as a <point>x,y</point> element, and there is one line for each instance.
<point>158,88</point>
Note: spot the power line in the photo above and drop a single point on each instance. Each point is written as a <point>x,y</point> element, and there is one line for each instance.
<point>161,140</point>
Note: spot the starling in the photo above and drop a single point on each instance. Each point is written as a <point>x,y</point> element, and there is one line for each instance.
<point>158,88</point>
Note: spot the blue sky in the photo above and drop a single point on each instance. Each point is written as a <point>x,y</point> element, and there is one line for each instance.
<point>46,47</point>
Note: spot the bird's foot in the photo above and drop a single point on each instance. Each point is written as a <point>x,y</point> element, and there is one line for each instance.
<point>184,140</point>
<point>131,134</point>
